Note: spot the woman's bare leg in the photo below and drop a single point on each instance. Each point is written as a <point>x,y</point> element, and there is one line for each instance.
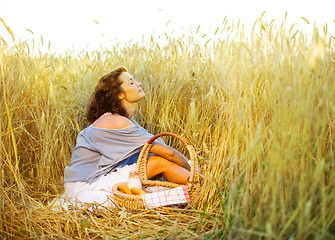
<point>171,171</point>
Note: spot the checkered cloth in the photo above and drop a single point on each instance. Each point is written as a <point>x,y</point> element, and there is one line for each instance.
<point>178,195</point>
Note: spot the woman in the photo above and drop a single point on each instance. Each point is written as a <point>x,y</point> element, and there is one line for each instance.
<point>108,149</point>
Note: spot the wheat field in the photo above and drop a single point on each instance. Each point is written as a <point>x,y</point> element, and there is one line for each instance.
<point>259,110</point>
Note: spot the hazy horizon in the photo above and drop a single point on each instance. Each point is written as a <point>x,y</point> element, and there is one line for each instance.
<point>83,25</point>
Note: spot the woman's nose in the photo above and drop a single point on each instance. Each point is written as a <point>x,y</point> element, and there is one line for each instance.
<point>138,84</point>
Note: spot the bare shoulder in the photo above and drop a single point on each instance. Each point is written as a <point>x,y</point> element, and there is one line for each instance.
<point>113,121</point>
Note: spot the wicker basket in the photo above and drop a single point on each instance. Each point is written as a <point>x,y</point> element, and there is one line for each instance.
<point>135,201</point>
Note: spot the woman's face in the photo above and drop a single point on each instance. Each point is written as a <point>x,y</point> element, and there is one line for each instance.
<point>132,91</point>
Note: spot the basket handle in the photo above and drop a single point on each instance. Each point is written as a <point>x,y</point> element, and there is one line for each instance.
<point>183,140</point>
<point>143,157</point>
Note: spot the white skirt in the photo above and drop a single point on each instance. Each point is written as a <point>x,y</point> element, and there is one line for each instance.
<point>80,194</point>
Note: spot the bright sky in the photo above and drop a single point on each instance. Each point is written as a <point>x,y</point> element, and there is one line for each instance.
<point>87,24</point>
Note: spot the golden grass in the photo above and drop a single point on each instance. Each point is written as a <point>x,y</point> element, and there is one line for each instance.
<point>259,109</point>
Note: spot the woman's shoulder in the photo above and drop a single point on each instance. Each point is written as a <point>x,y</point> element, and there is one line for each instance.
<point>113,121</point>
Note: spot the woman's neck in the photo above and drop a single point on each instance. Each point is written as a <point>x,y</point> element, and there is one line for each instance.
<point>130,108</point>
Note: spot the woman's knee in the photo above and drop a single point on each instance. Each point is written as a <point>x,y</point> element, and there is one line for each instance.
<point>159,165</point>
<point>155,161</point>
<point>155,166</point>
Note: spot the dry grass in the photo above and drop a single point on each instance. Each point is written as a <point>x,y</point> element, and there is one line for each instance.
<point>259,109</point>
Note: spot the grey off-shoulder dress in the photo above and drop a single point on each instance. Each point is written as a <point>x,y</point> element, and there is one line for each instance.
<point>100,159</point>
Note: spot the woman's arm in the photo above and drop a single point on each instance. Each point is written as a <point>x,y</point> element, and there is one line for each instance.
<point>170,154</point>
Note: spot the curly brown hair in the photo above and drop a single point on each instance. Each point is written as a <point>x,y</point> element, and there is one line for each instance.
<point>105,96</point>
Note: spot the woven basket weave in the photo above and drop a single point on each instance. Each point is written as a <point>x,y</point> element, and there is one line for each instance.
<point>135,201</point>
